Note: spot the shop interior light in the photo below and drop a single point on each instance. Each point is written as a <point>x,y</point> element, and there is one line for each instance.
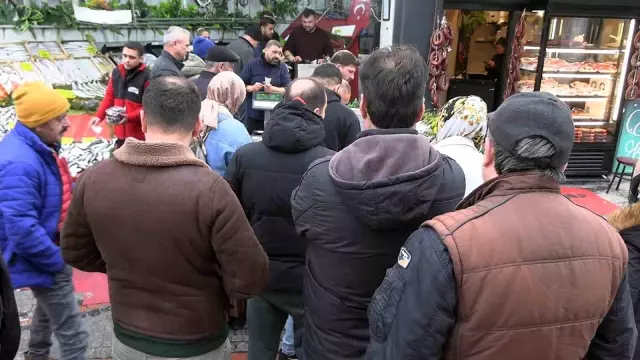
<point>582,99</point>
<point>588,123</point>
<point>577,76</point>
<point>625,65</point>
<point>576,51</point>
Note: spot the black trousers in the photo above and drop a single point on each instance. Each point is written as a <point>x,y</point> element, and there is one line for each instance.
<point>266,316</point>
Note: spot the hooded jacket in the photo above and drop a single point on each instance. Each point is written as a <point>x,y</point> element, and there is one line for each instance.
<point>355,211</point>
<point>516,272</point>
<point>627,222</point>
<point>341,125</point>
<point>263,175</point>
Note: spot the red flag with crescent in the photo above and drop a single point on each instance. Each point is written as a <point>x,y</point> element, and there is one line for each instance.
<point>359,15</point>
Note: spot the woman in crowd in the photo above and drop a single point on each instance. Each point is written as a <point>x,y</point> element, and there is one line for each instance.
<point>627,222</point>
<point>223,134</point>
<point>462,127</point>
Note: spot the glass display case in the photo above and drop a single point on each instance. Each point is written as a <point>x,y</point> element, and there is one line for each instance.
<point>583,61</point>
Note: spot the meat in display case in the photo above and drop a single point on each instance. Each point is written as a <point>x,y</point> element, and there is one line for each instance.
<point>583,66</point>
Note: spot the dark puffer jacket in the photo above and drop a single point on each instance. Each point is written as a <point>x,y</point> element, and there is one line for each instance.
<point>263,175</point>
<point>356,210</point>
<point>627,222</point>
<point>341,124</point>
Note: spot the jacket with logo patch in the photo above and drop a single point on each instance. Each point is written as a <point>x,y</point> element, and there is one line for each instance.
<point>517,272</point>
<point>126,89</point>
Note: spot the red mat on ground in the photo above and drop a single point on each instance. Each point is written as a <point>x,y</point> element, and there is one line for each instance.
<point>93,286</point>
<point>589,200</point>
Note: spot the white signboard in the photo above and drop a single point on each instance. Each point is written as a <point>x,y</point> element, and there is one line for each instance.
<point>104,17</point>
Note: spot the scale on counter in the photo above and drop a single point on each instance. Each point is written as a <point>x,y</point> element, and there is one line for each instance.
<point>266,102</point>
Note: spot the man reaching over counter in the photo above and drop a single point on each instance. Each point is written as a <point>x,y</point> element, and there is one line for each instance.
<point>308,42</point>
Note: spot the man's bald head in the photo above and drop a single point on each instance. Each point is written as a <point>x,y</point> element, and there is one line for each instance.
<point>344,90</point>
<point>310,91</point>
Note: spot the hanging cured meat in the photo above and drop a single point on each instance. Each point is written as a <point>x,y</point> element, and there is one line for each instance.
<point>440,46</point>
<point>514,60</point>
<point>633,88</point>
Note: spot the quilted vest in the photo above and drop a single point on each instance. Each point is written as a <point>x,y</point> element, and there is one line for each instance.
<point>66,180</point>
<point>535,274</point>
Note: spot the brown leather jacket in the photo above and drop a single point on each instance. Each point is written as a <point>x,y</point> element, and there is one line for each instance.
<point>518,272</point>
<point>170,235</point>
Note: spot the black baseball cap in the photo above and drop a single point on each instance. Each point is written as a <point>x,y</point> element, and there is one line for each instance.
<point>221,54</point>
<point>532,114</point>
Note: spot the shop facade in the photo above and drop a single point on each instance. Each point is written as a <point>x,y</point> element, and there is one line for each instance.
<point>580,51</point>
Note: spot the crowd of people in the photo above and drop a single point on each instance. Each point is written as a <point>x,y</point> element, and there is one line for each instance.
<point>371,243</point>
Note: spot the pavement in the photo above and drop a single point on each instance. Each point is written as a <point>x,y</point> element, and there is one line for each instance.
<point>97,318</point>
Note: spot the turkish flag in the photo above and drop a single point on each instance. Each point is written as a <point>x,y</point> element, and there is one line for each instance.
<point>359,15</point>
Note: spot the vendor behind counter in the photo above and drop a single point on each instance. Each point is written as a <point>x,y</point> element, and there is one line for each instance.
<point>308,42</point>
<point>268,65</point>
<point>495,65</point>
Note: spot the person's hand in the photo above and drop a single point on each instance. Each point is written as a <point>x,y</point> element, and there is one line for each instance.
<point>124,118</point>
<point>268,88</point>
<point>95,121</point>
<point>491,63</point>
<point>297,59</point>
<point>257,87</point>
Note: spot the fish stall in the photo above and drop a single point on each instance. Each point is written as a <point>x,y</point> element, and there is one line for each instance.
<point>75,69</point>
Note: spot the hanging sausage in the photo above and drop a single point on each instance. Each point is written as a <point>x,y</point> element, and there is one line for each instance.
<point>513,75</point>
<point>440,46</point>
<point>633,87</point>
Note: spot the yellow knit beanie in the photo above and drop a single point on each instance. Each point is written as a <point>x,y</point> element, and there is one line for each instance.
<point>36,104</point>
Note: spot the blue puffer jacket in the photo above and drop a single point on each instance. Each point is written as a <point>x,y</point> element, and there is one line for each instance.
<point>223,142</point>
<point>30,202</point>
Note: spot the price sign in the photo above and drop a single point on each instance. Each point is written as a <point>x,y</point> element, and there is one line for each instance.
<point>629,139</point>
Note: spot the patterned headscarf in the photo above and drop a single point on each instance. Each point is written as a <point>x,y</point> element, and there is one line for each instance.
<point>463,116</point>
<point>225,93</point>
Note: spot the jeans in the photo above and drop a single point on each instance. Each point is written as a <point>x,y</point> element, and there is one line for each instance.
<point>266,316</point>
<point>121,351</point>
<point>288,339</point>
<point>57,311</point>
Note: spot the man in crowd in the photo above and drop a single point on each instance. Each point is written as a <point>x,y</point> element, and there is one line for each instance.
<point>125,89</point>
<point>341,125</point>
<point>182,246</point>
<point>245,46</point>
<point>263,175</point>
<point>267,27</point>
<point>495,65</point>
<point>9,317</point>
<point>347,63</point>
<point>218,59</point>
<point>345,92</point>
<point>175,51</point>
<point>518,271</point>
<point>308,42</point>
<point>269,65</point>
<point>202,44</point>
<point>35,192</point>
<point>356,209</point>
<point>203,33</point>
